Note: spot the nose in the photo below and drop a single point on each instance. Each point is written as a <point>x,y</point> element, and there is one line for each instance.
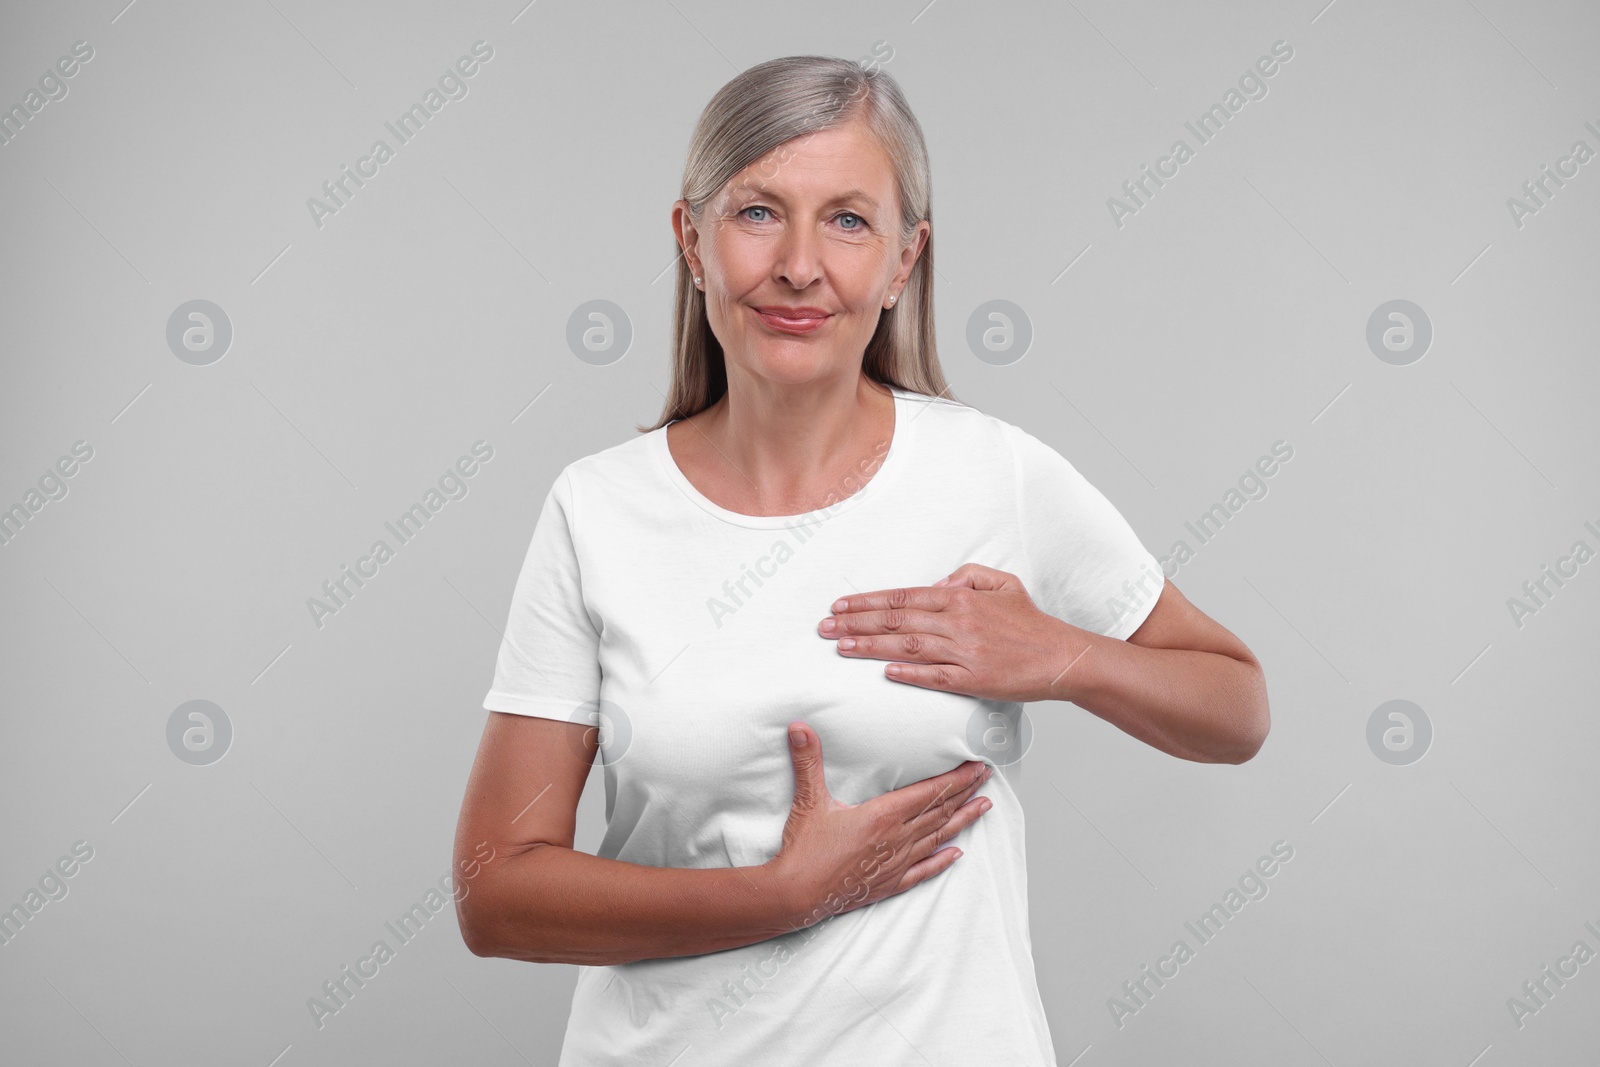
<point>797,260</point>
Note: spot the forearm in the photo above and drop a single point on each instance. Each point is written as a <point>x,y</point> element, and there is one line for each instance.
<point>1200,706</point>
<point>552,904</point>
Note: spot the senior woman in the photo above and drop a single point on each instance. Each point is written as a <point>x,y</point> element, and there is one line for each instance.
<point>801,608</point>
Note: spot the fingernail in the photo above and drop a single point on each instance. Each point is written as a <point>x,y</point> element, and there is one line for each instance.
<point>847,643</point>
<point>986,804</point>
<point>840,605</point>
<point>797,737</point>
<point>827,626</point>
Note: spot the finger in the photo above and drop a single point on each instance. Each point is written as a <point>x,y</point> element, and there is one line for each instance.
<point>920,597</point>
<point>928,794</point>
<point>945,832</point>
<point>928,818</point>
<point>805,752</point>
<point>924,869</point>
<point>937,827</point>
<point>948,800</point>
<point>886,621</point>
<point>944,677</point>
<point>911,648</point>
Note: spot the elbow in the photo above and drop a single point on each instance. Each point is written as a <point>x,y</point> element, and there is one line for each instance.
<point>474,933</point>
<point>481,917</point>
<point>476,945</point>
<point>1255,735</point>
<point>472,918</point>
<point>1255,722</point>
<point>1249,743</point>
<point>496,922</point>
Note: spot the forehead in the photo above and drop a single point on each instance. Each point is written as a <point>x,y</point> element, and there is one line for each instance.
<point>824,162</point>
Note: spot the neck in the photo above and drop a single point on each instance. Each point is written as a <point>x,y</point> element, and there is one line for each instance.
<point>791,442</point>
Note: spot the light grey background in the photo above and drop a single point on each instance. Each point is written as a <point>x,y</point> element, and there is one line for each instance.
<point>430,312</point>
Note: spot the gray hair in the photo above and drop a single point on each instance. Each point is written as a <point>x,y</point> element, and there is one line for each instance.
<point>754,113</point>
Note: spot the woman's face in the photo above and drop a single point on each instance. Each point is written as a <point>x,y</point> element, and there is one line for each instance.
<point>810,229</point>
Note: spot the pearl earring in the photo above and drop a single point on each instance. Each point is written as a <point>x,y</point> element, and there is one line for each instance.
<point>697,281</point>
<point>892,299</point>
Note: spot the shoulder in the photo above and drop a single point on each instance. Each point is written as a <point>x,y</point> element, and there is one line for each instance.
<point>619,458</point>
<point>622,466</point>
<point>963,432</point>
<point>957,425</point>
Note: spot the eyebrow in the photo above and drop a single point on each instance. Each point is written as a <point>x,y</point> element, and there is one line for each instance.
<point>843,198</point>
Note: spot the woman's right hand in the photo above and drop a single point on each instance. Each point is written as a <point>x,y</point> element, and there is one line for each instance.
<point>838,857</point>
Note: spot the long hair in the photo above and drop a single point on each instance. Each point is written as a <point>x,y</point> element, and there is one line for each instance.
<point>754,113</point>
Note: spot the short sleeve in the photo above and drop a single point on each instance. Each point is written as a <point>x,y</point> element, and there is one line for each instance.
<point>548,665</point>
<point>1088,566</point>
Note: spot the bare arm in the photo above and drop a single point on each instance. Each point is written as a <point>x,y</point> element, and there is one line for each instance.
<point>546,903</point>
<point>542,901</point>
<point>1181,683</point>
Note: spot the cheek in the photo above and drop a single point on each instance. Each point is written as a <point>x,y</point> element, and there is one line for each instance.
<point>744,272</point>
<point>863,278</point>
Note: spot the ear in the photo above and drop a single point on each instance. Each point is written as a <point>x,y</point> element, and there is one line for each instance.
<point>688,237</point>
<point>908,255</point>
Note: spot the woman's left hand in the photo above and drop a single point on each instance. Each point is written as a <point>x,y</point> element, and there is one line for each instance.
<point>976,632</point>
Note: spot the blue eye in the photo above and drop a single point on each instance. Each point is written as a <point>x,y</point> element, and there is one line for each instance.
<point>861,223</point>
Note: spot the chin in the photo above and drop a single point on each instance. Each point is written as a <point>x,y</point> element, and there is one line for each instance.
<point>795,367</point>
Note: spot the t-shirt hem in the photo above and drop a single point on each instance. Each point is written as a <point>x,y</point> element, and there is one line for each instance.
<point>1134,619</point>
<point>563,708</point>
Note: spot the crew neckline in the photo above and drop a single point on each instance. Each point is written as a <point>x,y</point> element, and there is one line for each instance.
<point>891,464</point>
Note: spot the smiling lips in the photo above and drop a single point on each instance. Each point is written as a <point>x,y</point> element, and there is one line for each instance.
<point>792,319</point>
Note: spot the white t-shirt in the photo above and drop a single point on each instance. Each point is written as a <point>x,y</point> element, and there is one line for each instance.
<point>692,630</point>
